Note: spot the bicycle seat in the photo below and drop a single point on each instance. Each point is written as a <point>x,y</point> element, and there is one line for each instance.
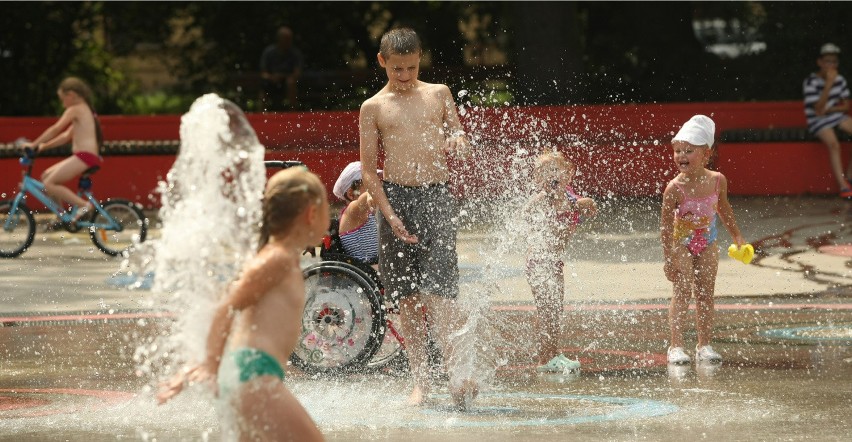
<point>90,171</point>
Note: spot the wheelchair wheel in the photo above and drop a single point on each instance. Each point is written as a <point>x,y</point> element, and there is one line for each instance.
<point>390,354</point>
<point>343,322</point>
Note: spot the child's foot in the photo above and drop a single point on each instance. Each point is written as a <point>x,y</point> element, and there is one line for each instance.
<point>846,190</point>
<point>706,353</point>
<point>417,396</point>
<point>677,372</point>
<point>574,365</point>
<point>707,369</point>
<point>559,364</point>
<point>81,212</point>
<point>464,396</point>
<point>677,356</point>
<point>55,226</point>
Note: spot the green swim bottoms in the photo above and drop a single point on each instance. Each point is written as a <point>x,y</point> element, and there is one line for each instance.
<point>252,363</point>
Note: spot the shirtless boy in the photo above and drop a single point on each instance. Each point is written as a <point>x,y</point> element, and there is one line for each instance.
<point>417,125</point>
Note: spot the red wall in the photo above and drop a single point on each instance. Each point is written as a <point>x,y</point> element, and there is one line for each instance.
<point>620,150</point>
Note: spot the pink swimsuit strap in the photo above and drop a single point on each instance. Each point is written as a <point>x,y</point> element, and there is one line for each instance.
<point>700,206</point>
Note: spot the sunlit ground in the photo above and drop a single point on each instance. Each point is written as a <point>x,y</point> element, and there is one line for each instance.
<point>783,327</point>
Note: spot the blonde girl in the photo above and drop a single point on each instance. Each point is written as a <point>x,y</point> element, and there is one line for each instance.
<point>270,299</point>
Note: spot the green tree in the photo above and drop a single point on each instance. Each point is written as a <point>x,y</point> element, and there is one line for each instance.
<point>37,44</point>
<point>556,52</point>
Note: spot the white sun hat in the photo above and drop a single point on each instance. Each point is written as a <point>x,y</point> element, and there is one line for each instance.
<point>829,48</point>
<point>700,130</point>
<point>350,174</point>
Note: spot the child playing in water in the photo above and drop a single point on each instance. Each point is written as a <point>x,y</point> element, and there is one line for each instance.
<point>417,126</point>
<point>79,126</point>
<point>552,216</point>
<point>358,234</point>
<point>691,202</point>
<point>270,299</point>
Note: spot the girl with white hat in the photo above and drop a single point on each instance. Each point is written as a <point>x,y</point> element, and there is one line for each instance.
<point>691,203</point>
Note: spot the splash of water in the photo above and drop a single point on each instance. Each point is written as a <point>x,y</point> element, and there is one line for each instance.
<point>211,208</point>
<point>476,341</point>
<point>507,142</point>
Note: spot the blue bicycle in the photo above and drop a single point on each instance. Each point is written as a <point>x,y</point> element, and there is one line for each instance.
<point>113,226</point>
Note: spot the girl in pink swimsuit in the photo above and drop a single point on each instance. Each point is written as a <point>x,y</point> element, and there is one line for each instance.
<point>551,216</point>
<point>79,126</point>
<point>695,219</point>
<point>691,203</point>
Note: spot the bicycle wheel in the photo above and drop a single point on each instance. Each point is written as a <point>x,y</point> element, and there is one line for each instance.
<point>132,227</point>
<point>342,322</point>
<point>17,230</point>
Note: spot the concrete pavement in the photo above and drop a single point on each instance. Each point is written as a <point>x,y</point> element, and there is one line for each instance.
<point>614,259</point>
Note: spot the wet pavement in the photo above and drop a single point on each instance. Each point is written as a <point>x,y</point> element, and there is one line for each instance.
<point>68,345</point>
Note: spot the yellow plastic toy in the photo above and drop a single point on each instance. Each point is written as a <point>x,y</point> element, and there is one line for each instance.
<point>744,253</point>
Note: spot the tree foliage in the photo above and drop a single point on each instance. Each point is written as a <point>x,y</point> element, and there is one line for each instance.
<point>554,52</point>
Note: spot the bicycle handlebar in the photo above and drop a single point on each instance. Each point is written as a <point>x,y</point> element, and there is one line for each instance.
<point>28,156</point>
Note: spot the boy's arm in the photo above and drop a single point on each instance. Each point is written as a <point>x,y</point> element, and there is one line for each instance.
<point>819,106</point>
<point>53,132</point>
<point>369,141</point>
<point>726,213</point>
<point>527,210</point>
<point>297,70</point>
<point>842,106</point>
<point>59,140</point>
<point>456,137</point>
<point>587,207</point>
<point>264,70</point>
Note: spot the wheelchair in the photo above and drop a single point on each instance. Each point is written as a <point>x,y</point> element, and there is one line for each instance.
<point>348,324</point>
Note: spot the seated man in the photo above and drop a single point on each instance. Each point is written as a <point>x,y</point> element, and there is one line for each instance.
<point>357,228</point>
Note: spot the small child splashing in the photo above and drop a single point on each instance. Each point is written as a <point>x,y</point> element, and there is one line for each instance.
<point>270,297</point>
<point>552,215</point>
<point>691,202</point>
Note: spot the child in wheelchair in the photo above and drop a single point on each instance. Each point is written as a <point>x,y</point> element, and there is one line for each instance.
<point>351,245</point>
<point>353,237</point>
